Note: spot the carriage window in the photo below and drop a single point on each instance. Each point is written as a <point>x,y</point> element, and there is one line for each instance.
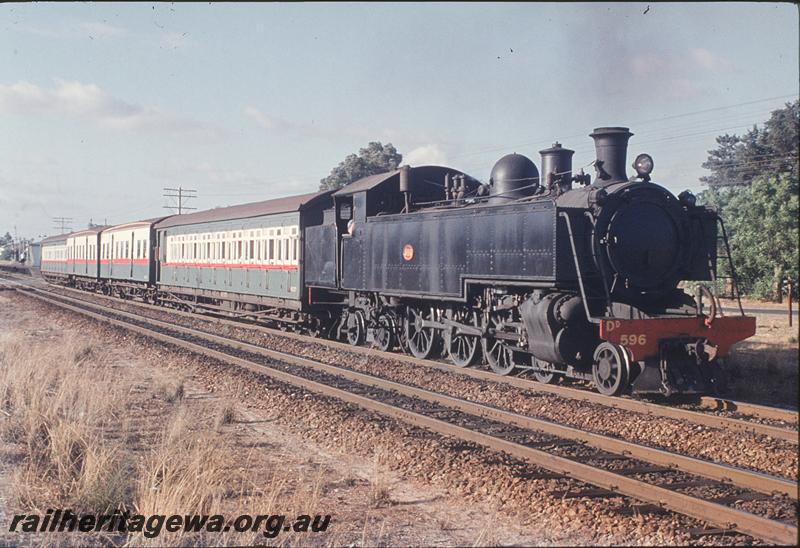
<point>271,249</point>
<point>252,248</point>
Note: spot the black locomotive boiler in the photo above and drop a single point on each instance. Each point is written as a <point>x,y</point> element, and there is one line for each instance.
<point>552,272</point>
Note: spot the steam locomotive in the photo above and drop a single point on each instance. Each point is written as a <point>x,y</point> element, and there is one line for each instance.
<point>555,274</point>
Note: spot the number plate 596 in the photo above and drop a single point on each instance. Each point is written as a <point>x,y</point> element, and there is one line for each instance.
<point>633,340</point>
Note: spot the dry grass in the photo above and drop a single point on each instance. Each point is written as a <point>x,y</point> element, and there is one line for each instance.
<point>380,493</point>
<point>764,369</point>
<point>84,426</point>
<point>171,390</point>
<point>486,534</point>
<point>57,410</point>
<point>68,413</point>
<point>225,414</point>
<point>186,473</point>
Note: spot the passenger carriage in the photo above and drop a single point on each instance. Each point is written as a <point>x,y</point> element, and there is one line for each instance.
<point>245,259</point>
<point>54,257</point>
<point>82,259</point>
<point>72,257</point>
<point>127,260</point>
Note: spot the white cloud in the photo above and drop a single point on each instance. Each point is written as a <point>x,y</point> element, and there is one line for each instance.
<point>90,102</point>
<point>426,155</point>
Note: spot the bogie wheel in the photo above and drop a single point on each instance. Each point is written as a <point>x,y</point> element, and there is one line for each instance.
<point>423,342</point>
<point>356,328</point>
<point>544,377</point>
<point>501,358</point>
<point>464,350</point>
<point>611,369</point>
<point>385,335</point>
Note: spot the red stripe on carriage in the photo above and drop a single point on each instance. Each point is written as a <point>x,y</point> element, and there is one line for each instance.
<point>220,265</point>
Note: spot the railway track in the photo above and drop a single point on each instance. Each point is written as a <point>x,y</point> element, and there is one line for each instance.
<point>703,490</point>
<point>703,418</point>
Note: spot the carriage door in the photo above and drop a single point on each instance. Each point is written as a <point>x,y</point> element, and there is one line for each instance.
<point>112,253</point>
<point>159,254</point>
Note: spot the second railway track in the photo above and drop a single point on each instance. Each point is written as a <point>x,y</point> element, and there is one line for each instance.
<point>598,460</point>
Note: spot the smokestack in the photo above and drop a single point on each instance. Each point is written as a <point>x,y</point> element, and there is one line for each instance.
<point>611,145</point>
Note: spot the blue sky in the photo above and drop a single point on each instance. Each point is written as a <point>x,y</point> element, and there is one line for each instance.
<point>102,105</point>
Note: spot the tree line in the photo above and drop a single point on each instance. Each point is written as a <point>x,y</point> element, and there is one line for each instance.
<point>754,184</point>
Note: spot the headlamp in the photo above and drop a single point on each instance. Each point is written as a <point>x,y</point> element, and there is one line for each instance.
<point>643,165</point>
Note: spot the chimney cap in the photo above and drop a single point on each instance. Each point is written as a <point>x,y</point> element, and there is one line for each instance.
<point>598,131</point>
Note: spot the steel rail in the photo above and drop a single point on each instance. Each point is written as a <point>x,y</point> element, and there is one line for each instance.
<point>625,404</point>
<point>716,514</point>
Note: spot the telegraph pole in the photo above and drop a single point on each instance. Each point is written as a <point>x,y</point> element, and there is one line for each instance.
<point>62,224</point>
<point>180,194</point>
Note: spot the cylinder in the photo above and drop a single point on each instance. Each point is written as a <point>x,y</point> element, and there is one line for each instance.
<point>514,176</point>
<point>611,146</point>
<point>405,179</point>
<point>557,159</point>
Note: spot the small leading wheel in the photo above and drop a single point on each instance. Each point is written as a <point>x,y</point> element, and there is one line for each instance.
<point>385,335</point>
<point>423,342</point>
<point>463,349</point>
<point>356,328</point>
<point>546,376</point>
<point>610,370</point>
